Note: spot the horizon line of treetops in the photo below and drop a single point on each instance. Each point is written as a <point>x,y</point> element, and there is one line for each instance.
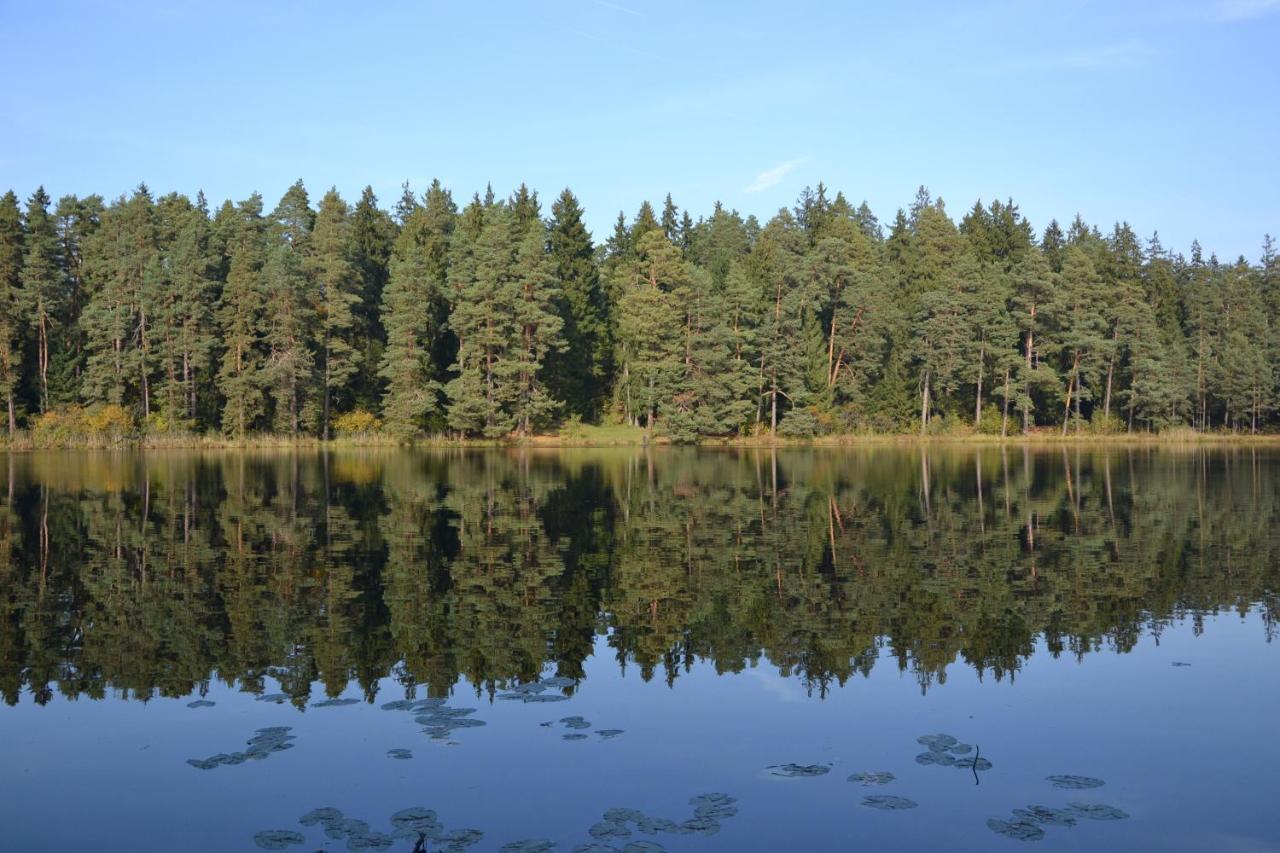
<point>493,320</point>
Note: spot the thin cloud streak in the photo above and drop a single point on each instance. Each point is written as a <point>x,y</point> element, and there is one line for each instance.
<point>1244,10</point>
<point>772,177</point>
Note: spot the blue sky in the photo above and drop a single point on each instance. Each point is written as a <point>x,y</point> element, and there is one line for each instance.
<point>1165,114</point>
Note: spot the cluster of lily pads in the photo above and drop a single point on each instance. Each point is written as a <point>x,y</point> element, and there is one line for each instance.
<point>417,824</point>
<point>708,811</point>
<point>1027,824</point>
<point>537,691</point>
<point>335,703</point>
<point>946,751</point>
<point>261,745</point>
<point>795,771</point>
<point>201,703</point>
<point>439,720</point>
<point>576,724</point>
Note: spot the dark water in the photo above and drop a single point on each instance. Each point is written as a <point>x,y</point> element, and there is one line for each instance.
<point>1100,614</point>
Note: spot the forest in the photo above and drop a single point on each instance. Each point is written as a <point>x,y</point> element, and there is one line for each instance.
<point>153,317</point>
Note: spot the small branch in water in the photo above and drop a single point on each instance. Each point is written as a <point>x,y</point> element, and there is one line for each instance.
<point>977,753</point>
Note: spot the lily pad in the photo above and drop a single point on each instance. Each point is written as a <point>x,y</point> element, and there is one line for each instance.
<point>960,749</point>
<point>1018,830</point>
<point>1074,783</point>
<point>643,847</point>
<point>400,754</point>
<point>931,757</point>
<point>1180,663</point>
<point>882,777</point>
<point>889,803</point>
<point>609,829</point>
<point>978,763</point>
<point>575,723</point>
<point>417,819</point>
<point>528,845</point>
<point>623,815</point>
<point>335,703</point>
<point>1046,816</point>
<point>654,825</point>
<point>595,848</point>
<point>201,703</point>
<point>1097,811</point>
<point>608,734</point>
<point>398,705</point>
<point>937,742</point>
<point>460,839</point>
<point>325,815</point>
<point>546,697</point>
<point>792,771</point>
<point>370,841</point>
<point>574,736</point>
<point>557,681</point>
<point>277,839</point>
<point>699,826</point>
<point>277,698</point>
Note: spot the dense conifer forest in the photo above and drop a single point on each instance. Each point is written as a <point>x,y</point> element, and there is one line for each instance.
<point>498,319</point>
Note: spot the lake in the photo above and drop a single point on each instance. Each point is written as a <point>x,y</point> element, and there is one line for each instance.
<point>628,649</point>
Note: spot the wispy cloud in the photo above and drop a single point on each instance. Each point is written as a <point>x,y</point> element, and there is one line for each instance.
<point>618,7</point>
<point>1244,10</point>
<point>772,177</point>
<point>1132,52</point>
<point>1124,54</point>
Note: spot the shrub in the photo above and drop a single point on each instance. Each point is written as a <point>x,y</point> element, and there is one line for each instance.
<point>358,422</point>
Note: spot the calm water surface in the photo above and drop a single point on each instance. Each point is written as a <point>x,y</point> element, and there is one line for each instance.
<point>635,629</point>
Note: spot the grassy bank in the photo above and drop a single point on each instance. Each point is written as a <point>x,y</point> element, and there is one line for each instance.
<point>615,435</point>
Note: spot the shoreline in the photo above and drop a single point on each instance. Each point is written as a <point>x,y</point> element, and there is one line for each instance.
<point>1180,438</point>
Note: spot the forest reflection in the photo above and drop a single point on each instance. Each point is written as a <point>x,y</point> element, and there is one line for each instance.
<point>156,575</point>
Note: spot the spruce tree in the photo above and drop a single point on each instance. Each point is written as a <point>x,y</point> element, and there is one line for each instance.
<point>578,374</point>
<point>413,312</point>
<point>240,318</point>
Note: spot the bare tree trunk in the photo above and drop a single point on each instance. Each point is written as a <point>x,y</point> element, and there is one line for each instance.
<point>1106,398</point>
<point>924,404</point>
<point>13,417</point>
<point>1071,382</point>
<point>977,411</point>
<point>1004,412</point>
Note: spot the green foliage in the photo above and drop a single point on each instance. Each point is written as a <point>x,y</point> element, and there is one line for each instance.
<point>492,322</point>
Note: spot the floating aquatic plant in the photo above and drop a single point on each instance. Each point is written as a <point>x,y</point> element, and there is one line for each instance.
<point>977,763</point>
<point>792,771</point>
<point>262,744</point>
<point>335,703</point>
<point>643,847</point>
<point>417,819</point>
<point>1074,783</point>
<point>717,806</point>
<point>201,703</point>
<point>608,734</point>
<point>398,753</point>
<point>1180,663</point>
<point>1097,811</point>
<point>546,697</point>
<point>529,845</point>
<point>277,698</point>
<point>609,829</point>
<point>277,839</point>
<point>398,705</point>
<point>575,723</point>
<point>326,815</point>
<point>1045,815</point>
<point>942,758</point>
<point>938,743</point>
<point>889,803</point>
<point>574,736</point>
<point>1018,830</point>
<point>880,778</point>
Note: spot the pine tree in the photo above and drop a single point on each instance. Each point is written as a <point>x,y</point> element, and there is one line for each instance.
<point>42,284</point>
<point>11,299</point>
<point>118,316</point>
<point>650,328</point>
<point>336,291</point>
<point>240,317</point>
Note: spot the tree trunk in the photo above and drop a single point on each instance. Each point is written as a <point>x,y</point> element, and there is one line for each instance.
<point>977,410</point>
<point>924,404</point>
<point>773,405</point>
<point>1106,398</point>
<point>1004,413</point>
<point>13,418</point>
<point>1071,382</point>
